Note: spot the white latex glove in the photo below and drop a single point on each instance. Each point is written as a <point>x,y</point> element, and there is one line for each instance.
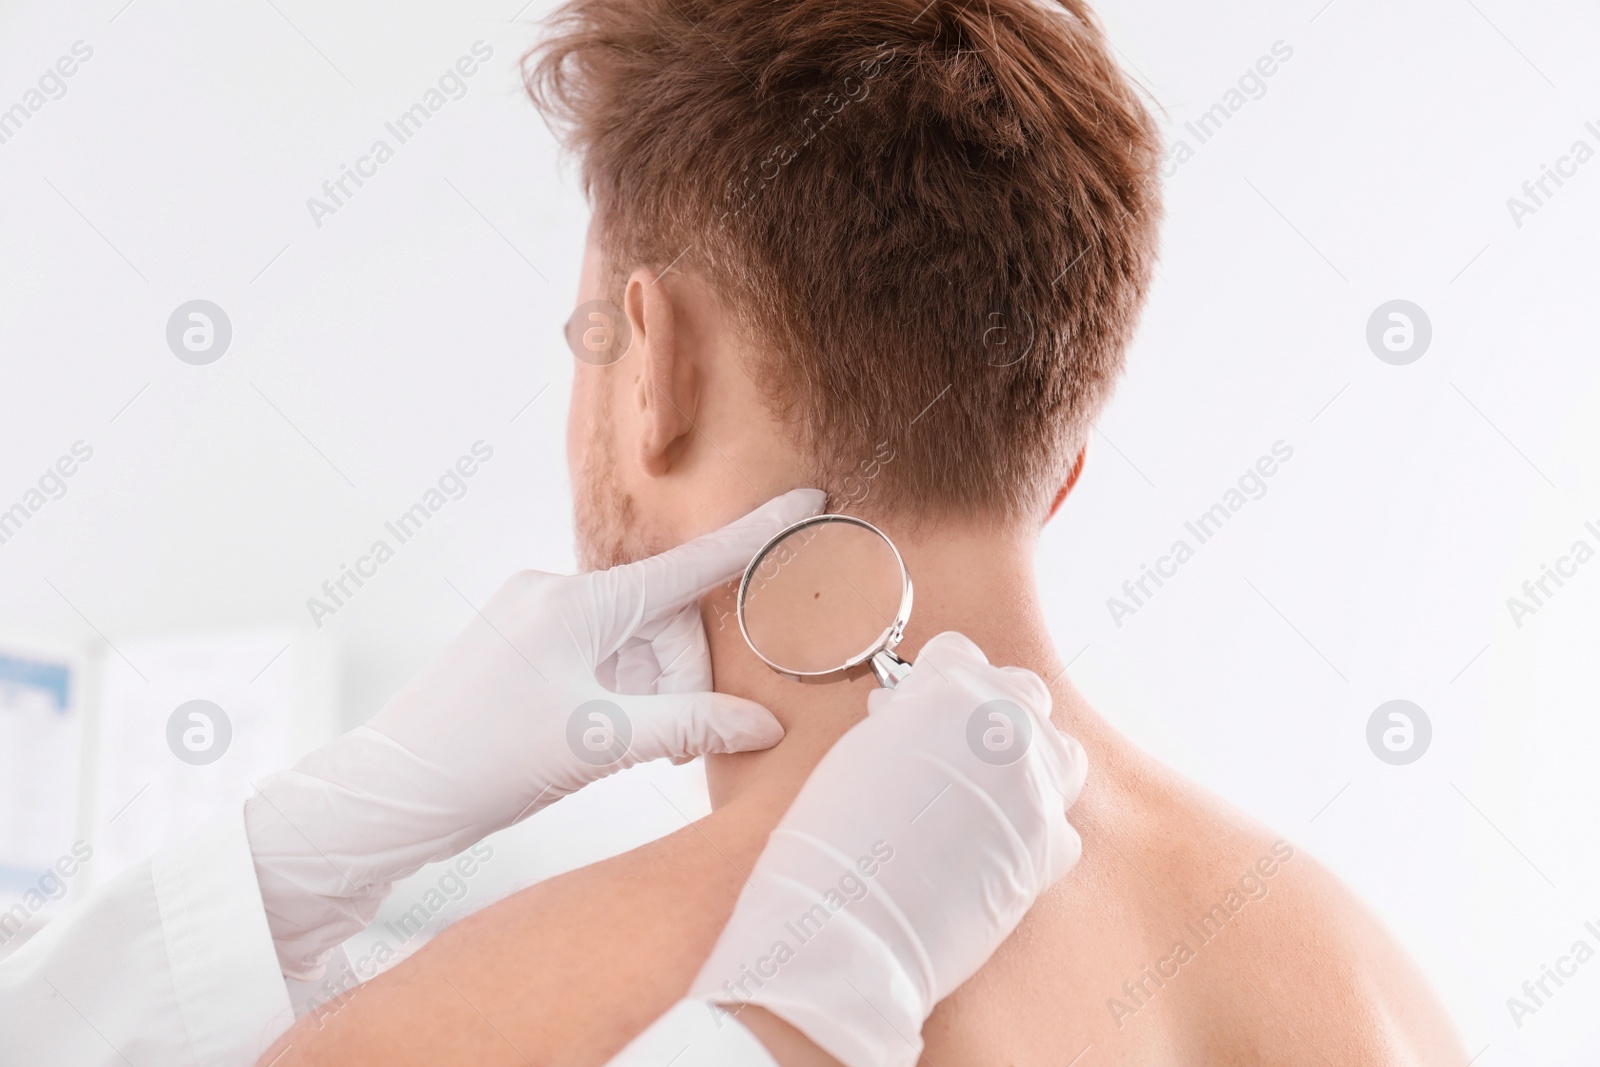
<point>908,856</point>
<point>510,717</point>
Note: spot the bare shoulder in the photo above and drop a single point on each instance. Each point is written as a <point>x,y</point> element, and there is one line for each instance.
<point>536,977</point>
<point>1190,934</point>
<point>1292,965</point>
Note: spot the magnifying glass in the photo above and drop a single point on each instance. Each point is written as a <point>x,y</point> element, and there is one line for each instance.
<point>826,599</point>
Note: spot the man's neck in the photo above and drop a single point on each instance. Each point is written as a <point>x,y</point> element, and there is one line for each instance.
<point>977,581</point>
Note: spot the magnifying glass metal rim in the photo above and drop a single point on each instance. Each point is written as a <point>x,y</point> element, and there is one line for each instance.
<point>889,668</point>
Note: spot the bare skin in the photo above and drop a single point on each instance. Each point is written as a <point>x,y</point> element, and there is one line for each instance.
<point>1289,969</point>
<point>568,971</point>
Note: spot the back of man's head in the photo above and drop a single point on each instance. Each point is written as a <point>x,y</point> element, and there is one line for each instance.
<point>936,224</point>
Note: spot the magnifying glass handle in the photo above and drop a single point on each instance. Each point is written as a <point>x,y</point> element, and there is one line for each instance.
<point>889,668</point>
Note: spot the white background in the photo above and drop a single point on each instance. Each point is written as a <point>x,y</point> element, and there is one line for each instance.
<point>372,351</point>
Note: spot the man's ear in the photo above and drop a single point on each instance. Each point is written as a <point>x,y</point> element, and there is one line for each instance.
<point>1072,480</point>
<point>664,393</point>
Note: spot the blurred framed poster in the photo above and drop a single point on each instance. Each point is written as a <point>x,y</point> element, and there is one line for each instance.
<point>41,723</point>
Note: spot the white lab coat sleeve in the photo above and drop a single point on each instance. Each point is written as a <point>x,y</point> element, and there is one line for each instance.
<point>169,963</point>
<point>694,1033</point>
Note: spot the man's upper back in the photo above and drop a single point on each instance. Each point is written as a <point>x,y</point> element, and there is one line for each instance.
<point>1184,936</point>
<point>1189,935</point>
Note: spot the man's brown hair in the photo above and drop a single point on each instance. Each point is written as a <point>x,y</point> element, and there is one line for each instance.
<point>936,223</point>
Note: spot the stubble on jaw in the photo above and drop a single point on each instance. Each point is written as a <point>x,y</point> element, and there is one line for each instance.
<point>602,513</point>
<point>605,519</point>
<point>607,523</point>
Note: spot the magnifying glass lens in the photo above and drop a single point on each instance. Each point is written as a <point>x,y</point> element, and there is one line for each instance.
<point>822,597</point>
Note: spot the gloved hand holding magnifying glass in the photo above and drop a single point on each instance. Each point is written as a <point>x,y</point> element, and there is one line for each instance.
<point>508,719</point>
